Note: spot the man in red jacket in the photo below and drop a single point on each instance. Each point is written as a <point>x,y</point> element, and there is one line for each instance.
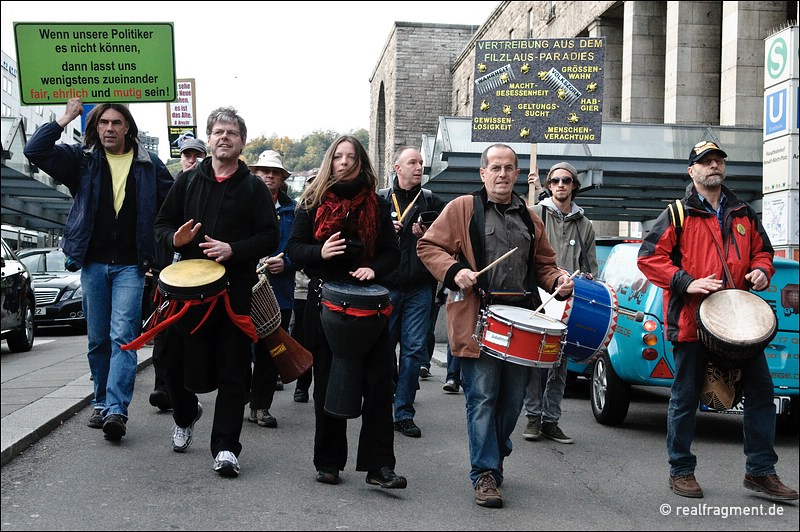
<point>687,263</point>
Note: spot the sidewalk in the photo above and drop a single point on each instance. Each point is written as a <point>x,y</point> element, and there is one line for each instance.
<point>44,405</point>
<point>47,394</point>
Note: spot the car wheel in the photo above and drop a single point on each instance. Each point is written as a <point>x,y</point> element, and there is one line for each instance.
<point>22,340</point>
<point>610,395</point>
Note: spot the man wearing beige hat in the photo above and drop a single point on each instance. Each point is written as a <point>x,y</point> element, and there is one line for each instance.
<point>269,168</point>
<point>572,236</point>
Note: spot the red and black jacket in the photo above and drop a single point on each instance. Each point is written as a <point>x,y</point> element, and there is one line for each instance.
<point>672,258</point>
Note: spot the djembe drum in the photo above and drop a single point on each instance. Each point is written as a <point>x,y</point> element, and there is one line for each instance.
<point>736,326</point>
<point>353,317</point>
<point>290,357</point>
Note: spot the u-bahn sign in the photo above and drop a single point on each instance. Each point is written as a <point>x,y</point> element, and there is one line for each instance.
<point>538,90</point>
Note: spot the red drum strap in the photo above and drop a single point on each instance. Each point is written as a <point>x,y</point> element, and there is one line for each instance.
<point>171,316</point>
<point>358,312</point>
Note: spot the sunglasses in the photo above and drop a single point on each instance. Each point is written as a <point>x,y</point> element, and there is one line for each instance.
<point>565,180</point>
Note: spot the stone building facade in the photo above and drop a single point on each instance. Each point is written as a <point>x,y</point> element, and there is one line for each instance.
<point>410,86</point>
<point>666,63</point>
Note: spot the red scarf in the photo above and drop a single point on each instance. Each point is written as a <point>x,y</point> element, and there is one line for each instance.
<point>334,213</point>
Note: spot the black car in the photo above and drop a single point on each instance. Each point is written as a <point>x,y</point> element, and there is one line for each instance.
<point>18,303</point>
<point>59,298</point>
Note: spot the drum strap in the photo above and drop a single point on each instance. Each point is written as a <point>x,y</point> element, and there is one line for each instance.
<point>245,323</point>
<point>725,269</point>
<point>358,312</point>
<point>677,216</point>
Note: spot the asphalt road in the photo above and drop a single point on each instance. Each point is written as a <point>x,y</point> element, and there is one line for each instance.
<point>611,478</point>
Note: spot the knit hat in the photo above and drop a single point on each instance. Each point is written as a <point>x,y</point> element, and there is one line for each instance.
<point>565,166</point>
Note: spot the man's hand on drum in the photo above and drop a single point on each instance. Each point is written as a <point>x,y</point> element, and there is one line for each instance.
<point>705,285</point>
<point>334,246</point>
<point>465,278</point>
<point>216,249</point>
<point>565,285</point>
<point>363,274</point>
<point>185,233</point>
<point>758,279</point>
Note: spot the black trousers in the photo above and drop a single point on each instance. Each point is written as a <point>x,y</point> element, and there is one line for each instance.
<point>217,356</point>
<point>376,438</point>
<point>299,334</point>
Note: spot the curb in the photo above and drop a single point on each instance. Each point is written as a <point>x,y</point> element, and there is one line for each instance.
<point>26,426</point>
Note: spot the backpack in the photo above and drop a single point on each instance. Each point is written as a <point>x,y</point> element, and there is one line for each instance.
<point>677,214</point>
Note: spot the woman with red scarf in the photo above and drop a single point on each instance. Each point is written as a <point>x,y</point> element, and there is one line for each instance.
<point>343,232</point>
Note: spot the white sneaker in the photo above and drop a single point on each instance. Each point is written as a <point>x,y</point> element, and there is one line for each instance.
<point>226,464</point>
<point>182,436</point>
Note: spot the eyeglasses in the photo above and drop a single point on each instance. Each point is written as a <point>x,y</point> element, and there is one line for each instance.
<point>230,132</point>
<point>565,180</point>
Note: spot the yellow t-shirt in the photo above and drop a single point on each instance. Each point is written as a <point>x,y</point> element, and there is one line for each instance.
<point>120,166</point>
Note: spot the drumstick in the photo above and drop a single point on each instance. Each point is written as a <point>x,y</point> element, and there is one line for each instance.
<point>264,266</point>
<point>497,261</point>
<point>549,299</point>
<point>408,208</point>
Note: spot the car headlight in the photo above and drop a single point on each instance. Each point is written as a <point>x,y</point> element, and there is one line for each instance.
<point>73,294</point>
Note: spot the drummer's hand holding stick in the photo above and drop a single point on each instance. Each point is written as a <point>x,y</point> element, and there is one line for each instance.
<point>398,224</point>
<point>274,264</point>
<point>466,277</point>
<point>565,287</point>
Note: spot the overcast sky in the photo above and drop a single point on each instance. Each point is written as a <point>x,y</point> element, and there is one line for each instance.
<point>290,68</point>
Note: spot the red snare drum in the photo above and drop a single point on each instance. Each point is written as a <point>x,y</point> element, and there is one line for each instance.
<point>521,336</point>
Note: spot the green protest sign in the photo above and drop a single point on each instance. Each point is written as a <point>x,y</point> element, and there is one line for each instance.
<point>539,90</point>
<point>97,62</point>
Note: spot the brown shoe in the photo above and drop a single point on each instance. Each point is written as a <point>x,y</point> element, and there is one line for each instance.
<point>685,486</point>
<point>486,492</point>
<point>771,486</point>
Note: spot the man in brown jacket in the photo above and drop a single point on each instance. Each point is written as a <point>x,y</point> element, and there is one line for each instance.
<point>471,233</point>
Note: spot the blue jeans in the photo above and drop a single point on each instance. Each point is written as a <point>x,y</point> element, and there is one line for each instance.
<point>453,368</point>
<point>547,404</point>
<point>493,390</point>
<point>409,324</point>
<point>112,302</point>
<point>759,411</point>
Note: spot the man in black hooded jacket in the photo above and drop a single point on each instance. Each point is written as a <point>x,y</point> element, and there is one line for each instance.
<point>217,211</point>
